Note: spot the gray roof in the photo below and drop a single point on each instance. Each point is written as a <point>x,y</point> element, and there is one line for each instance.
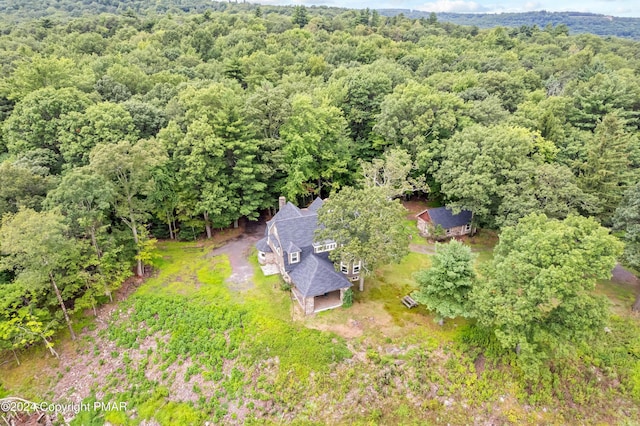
<point>288,211</point>
<point>292,248</point>
<point>315,275</point>
<point>315,206</point>
<point>262,246</point>
<point>299,231</point>
<point>444,217</point>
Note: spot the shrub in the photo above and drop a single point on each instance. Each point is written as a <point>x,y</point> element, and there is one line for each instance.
<point>347,299</point>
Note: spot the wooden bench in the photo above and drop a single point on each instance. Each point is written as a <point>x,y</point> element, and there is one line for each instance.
<point>409,302</point>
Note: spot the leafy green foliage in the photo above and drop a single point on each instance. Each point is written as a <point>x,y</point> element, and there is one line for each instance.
<point>249,105</point>
<point>37,246</point>
<point>315,148</point>
<point>347,299</point>
<point>365,225</point>
<point>444,288</point>
<point>536,293</point>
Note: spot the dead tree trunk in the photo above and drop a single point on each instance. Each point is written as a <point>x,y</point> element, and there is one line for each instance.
<point>207,225</point>
<point>134,230</point>
<point>170,228</point>
<point>636,305</point>
<point>64,309</point>
<point>361,282</point>
<point>49,346</point>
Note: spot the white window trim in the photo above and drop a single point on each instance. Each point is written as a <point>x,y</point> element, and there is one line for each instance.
<point>321,248</point>
<point>296,255</point>
<point>344,268</point>
<point>357,266</point>
<point>467,227</point>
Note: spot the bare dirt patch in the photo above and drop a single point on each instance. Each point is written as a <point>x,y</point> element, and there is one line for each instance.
<point>238,251</point>
<point>414,207</point>
<point>359,319</point>
<point>353,328</point>
<point>622,275</point>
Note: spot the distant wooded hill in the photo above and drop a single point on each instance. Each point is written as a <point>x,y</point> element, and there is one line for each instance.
<point>577,22</point>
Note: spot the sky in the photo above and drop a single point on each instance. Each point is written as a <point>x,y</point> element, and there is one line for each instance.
<point>627,8</point>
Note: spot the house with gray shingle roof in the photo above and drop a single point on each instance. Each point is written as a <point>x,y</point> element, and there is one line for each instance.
<point>450,224</point>
<point>302,261</point>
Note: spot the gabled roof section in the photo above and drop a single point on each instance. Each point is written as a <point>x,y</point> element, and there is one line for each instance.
<point>288,211</point>
<point>263,246</point>
<point>444,217</point>
<point>315,206</point>
<point>299,231</point>
<point>292,248</point>
<point>315,276</point>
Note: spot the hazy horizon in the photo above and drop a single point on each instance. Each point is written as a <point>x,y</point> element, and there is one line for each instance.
<point>620,8</point>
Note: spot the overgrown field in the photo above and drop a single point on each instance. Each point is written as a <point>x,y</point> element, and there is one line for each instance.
<point>185,348</point>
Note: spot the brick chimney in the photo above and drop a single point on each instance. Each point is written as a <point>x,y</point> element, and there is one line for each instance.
<point>281,202</point>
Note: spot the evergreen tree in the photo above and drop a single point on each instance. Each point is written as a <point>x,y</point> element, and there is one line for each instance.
<point>300,16</point>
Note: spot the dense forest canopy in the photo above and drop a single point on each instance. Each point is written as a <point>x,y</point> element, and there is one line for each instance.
<point>121,127</point>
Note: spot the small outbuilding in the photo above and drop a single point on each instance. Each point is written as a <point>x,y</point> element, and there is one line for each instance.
<point>440,222</point>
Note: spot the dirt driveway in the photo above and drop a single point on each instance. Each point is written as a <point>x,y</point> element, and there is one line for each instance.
<point>238,250</point>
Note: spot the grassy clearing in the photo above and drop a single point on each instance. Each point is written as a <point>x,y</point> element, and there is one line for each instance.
<point>185,348</point>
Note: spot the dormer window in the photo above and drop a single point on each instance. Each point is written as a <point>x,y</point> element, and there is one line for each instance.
<point>294,257</point>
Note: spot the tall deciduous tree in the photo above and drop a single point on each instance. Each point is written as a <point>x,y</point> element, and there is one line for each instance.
<point>202,180</point>
<point>417,118</point>
<point>315,147</point>
<point>393,173</point>
<point>39,72</point>
<point>491,170</point>
<point>37,245</point>
<point>537,292</point>
<point>21,187</point>
<point>366,227</point>
<point>444,287</point>
<point>85,198</point>
<point>129,168</point>
<point>361,91</point>
<point>105,122</point>
<point>37,119</point>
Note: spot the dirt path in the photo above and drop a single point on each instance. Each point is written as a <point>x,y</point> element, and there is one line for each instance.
<point>237,251</point>
<point>623,275</point>
<point>430,248</point>
<point>418,248</point>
